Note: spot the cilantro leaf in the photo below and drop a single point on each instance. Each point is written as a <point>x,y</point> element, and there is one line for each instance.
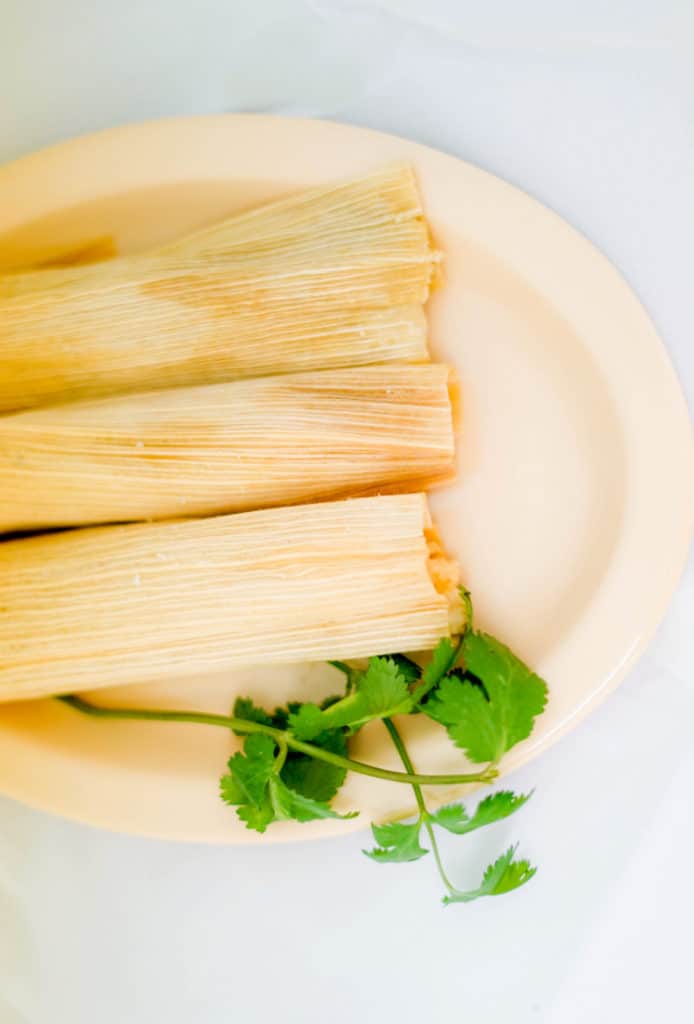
<point>447,651</point>
<point>245,708</point>
<point>397,843</point>
<point>463,709</point>
<point>454,817</point>
<point>230,791</point>
<point>247,782</point>
<point>442,661</point>
<point>487,720</point>
<point>251,771</point>
<point>504,875</point>
<point>263,796</point>
<point>380,691</point>
<point>314,778</point>
<point>508,681</point>
<point>383,689</point>
<point>514,875</point>
<point>288,804</point>
<point>409,670</point>
<point>280,716</point>
<point>307,722</point>
<point>300,772</point>
<point>257,818</point>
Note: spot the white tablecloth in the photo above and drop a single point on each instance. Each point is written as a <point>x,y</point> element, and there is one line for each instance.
<point>589,108</point>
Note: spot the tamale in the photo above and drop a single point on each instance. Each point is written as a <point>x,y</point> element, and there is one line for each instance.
<point>333,278</point>
<point>145,603</point>
<point>227,447</point>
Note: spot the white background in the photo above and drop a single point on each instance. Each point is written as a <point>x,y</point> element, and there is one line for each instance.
<point>589,108</point>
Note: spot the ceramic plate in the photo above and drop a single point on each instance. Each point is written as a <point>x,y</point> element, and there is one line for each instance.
<point>573,508</point>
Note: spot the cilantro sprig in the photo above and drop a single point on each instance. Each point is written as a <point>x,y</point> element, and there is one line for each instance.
<point>295,759</point>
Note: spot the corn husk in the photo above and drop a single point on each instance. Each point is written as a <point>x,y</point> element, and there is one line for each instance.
<point>333,278</point>
<point>157,602</point>
<point>227,447</point>
<point>26,269</point>
<point>279,227</point>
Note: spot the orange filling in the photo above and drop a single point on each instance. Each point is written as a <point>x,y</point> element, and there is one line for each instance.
<point>445,575</point>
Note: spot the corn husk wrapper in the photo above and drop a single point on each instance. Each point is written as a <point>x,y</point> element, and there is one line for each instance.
<point>227,447</point>
<point>331,278</point>
<point>169,601</point>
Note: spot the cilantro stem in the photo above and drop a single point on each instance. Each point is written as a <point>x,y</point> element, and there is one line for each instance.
<point>419,797</point>
<point>282,755</point>
<point>466,598</point>
<point>280,736</point>
<point>437,857</point>
<point>342,666</point>
<point>348,673</point>
<point>405,758</point>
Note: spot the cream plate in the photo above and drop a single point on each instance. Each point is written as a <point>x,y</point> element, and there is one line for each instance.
<point>574,504</point>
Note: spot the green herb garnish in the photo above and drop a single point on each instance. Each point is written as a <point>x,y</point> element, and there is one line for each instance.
<point>296,758</point>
